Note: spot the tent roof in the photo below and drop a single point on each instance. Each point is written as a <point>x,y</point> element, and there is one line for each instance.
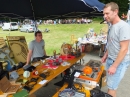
<point>49,9</point>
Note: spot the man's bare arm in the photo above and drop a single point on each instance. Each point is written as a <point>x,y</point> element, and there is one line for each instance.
<point>29,56</point>
<point>122,52</point>
<point>45,52</point>
<point>104,57</point>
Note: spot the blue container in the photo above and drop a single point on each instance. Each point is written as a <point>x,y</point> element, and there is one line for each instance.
<point>8,66</point>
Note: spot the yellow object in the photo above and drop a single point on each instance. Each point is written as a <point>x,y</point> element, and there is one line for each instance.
<point>77,86</point>
<point>87,92</point>
<point>66,49</point>
<point>88,31</point>
<point>4,64</point>
<point>73,39</point>
<point>5,49</point>
<point>19,47</point>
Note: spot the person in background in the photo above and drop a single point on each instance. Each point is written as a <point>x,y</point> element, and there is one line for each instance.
<point>117,55</point>
<point>36,49</point>
<point>124,17</point>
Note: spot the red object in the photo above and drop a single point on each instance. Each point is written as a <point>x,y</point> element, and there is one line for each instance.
<point>50,65</point>
<point>35,72</point>
<point>50,62</point>
<point>95,34</point>
<point>83,48</point>
<point>68,57</point>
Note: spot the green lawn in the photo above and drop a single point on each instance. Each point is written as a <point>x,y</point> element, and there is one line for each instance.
<point>58,34</point>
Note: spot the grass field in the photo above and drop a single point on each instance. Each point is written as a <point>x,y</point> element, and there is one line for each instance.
<point>58,34</point>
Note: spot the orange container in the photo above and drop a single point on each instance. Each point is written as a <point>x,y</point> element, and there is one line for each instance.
<point>97,79</point>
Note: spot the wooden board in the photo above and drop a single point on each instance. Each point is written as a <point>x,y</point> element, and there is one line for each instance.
<point>19,47</point>
<point>52,75</point>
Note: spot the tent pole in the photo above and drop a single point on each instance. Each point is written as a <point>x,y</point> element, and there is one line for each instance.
<point>33,17</point>
<point>129,4</point>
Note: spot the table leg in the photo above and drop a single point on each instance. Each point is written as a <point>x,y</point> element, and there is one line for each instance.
<point>81,60</point>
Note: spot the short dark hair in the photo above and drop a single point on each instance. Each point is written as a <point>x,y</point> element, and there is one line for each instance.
<point>113,6</point>
<point>37,32</point>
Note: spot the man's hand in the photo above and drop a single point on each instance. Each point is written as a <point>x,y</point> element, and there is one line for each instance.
<point>112,70</point>
<point>25,65</point>
<point>103,60</point>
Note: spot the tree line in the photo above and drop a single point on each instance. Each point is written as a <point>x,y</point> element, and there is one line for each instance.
<point>123,5</point>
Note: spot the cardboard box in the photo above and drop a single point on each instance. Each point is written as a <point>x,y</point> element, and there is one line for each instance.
<point>7,87</point>
<point>88,47</point>
<point>98,75</point>
<point>104,78</point>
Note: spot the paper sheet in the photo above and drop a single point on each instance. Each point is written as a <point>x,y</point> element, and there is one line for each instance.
<point>43,82</point>
<point>77,74</point>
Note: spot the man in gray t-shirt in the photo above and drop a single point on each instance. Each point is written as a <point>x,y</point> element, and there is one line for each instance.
<point>36,48</point>
<point>117,55</point>
<point>118,32</point>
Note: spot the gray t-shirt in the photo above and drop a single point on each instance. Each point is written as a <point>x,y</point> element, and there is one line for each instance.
<point>118,32</point>
<point>37,48</point>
